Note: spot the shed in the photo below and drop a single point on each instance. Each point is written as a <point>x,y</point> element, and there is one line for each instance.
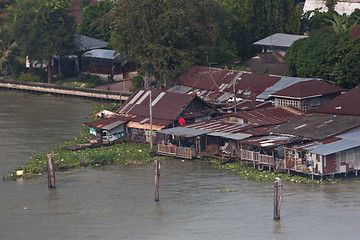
<point>107,62</point>
<point>278,42</point>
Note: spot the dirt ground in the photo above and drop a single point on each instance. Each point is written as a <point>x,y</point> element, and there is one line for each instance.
<point>118,86</point>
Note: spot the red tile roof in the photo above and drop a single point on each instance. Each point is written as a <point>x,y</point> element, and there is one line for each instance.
<point>346,104</point>
<point>355,32</point>
<point>307,89</point>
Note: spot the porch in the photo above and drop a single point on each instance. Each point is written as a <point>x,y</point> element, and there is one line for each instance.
<point>175,151</point>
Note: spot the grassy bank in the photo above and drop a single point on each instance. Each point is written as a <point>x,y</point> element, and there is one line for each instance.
<point>124,153</point>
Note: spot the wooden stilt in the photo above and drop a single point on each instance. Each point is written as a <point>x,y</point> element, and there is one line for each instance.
<point>51,171</point>
<point>157,177</point>
<point>79,156</point>
<point>277,198</point>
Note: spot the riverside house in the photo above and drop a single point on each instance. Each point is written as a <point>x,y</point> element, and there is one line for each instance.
<point>167,109</point>
<point>330,144</point>
<point>222,136</point>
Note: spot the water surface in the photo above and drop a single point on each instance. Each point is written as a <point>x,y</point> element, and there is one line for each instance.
<point>117,202</point>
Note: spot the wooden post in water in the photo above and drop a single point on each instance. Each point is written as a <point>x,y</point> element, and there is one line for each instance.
<point>277,198</point>
<point>51,171</point>
<point>157,177</point>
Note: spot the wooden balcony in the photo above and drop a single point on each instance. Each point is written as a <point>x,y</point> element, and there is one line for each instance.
<point>172,150</point>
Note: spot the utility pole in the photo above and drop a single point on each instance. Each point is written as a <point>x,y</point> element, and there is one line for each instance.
<point>234,89</point>
<point>151,132</point>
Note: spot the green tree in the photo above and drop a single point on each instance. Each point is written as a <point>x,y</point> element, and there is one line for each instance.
<point>94,23</point>
<point>44,28</point>
<point>341,23</point>
<point>7,48</point>
<point>251,20</point>
<point>165,37</point>
<point>326,55</point>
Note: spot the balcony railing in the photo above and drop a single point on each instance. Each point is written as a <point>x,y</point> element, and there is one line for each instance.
<point>172,150</point>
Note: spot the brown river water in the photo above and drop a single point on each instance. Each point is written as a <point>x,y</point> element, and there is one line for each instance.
<point>117,202</point>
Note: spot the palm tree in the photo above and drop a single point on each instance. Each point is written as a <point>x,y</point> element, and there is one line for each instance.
<point>341,23</point>
<point>7,47</point>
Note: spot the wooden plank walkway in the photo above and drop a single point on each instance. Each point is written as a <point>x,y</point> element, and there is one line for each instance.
<point>64,90</point>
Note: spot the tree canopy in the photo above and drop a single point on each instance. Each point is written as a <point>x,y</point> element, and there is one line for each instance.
<point>165,36</point>
<point>326,55</point>
<point>44,28</point>
<point>93,23</point>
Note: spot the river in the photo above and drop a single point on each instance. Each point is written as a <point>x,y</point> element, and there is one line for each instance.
<point>117,202</point>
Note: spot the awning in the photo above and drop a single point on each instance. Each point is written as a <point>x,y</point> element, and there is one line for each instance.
<point>113,125</point>
<point>184,131</point>
<point>334,147</point>
<point>132,124</point>
<point>238,136</point>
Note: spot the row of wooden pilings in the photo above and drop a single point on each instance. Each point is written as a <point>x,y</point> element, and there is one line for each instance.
<point>277,184</point>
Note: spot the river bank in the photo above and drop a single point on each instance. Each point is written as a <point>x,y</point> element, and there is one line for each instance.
<point>130,153</point>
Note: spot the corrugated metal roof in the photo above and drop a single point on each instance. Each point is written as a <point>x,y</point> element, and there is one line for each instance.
<point>184,131</point>
<point>334,147</point>
<point>238,136</point>
<point>271,115</point>
<point>101,53</point>
<point>317,127</point>
<point>283,83</point>
<point>246,104</point>
<point>279,40</point>
<point>206,78</point>
<point>110,122</point>
<point>219,126</point>
<point>179,89</point>
<point>86,43</point>
<point>307,89</point>
<point>346,104</point>
<point>270,141</point>
<point>353,134</point>
<point>166,105</point>
<point>252,84</point>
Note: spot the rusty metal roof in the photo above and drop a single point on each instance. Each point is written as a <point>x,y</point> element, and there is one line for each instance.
<point>307,89</point>
<point>346,104</point>
<point>165,105</point>
<point>110,122</point>
<point>219,126</point>
<point>271,115</point>
<point>252,84</point>
<point>246,104</point>
<point>270,141</point>
<point>206,78</point>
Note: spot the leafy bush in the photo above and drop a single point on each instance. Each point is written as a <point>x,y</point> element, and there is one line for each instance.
<point>28,77</point>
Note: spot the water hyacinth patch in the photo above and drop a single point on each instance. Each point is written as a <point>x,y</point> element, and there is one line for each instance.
<point>250,173</point>
<point>66,159</point>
